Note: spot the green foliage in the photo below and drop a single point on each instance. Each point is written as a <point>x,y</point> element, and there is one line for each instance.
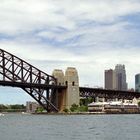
<point>139,104</point>
<point>17,106</point>
<point>12,108</point>
<point>82,102</point>
<point>74,108</point>
<point>66,110</point>
<point>3,107</point>
<point>86,101</point>
<point>83,108</point>
<point>83,105</point>
<point>39,109</point>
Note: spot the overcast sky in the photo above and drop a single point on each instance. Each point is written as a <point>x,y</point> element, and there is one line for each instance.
<point>91,35</point>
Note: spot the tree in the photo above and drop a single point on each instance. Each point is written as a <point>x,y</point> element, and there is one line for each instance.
<point>66,110</point>
<point>83,108</point>
<point>17,106</point>
<point>86,101</point>
<point>3,107</point>
<point>139,104</point>
<point>74,108</point>
<point>39,109</point>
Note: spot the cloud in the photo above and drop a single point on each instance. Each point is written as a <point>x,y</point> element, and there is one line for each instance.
<point>90,35</point>
<point>23,16</point>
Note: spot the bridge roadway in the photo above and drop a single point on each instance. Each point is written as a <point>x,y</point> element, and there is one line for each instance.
<point>108,94</point>
<point>83,91</point>
<point>43,87</point>
<point>30,85</point>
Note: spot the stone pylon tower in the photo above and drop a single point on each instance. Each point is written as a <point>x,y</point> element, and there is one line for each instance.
<point>72,82</point>
<point>59,75</point>
<point>60,96</point>
<point>64,98</point>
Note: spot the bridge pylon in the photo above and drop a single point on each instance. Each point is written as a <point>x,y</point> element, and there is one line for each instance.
<point>72,91</point>
<point>66,97</point>
<point>60,95</point>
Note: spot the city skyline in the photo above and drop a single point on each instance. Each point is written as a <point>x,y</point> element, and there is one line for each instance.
<point>93,36</point>
<point>116,78</point>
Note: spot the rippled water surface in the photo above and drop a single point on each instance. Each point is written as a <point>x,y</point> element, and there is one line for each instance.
<point>69,127</point>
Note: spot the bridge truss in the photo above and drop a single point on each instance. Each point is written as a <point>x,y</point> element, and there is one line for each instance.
<point>38,84</point>
<point>107,94</point>
<point>43,87</point>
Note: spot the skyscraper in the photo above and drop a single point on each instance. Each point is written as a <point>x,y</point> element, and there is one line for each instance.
<point>116,79</point>
<point>120,77</point>
<point>110,79</point>
<point>137,82</point>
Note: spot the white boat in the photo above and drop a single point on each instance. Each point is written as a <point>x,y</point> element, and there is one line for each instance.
<point>25,113</point>
<point>1,114</point>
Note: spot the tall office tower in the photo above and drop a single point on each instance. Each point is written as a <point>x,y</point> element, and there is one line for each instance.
<point>110,79</point>
<point>120,77</point>
<point>137,82</point>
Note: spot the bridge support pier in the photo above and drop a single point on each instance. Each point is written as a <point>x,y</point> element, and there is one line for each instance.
<point>60,94</point>
<point>72,82</point>
<point>69,96</point>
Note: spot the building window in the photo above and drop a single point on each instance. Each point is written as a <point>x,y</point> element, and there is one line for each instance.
<point>137,79</point>
<point>73,83</point>
<point>66,83</point>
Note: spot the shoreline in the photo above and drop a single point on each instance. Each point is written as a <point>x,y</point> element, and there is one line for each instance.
<point>73,113</point>
<point>85,113</point>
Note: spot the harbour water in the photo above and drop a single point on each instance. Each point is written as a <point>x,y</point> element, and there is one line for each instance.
<point>69,127</point>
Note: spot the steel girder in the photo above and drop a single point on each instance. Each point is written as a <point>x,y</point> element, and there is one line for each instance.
<point>38,84</point>
<point>108,94</point>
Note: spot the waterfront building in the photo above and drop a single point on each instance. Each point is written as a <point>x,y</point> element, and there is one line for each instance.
<point>31,106</point>
<point>113,107</point>
<point>137,82</point>
<point>97,106</point>
<point>110,79</point>
<point>120,77</point>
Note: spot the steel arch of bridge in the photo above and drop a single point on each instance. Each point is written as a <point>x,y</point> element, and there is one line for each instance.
<point>38,84</point>
<point>43,87</point>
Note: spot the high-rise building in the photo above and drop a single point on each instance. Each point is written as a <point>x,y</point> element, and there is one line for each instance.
<point>116,79</point>
<point>110,79</point>
<point>120,77</point>
<point>137,82</point>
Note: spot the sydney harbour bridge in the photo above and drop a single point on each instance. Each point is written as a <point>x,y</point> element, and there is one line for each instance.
<point>54,92</point>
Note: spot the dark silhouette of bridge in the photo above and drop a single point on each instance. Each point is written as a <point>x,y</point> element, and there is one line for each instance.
<point>43,87</point>
<point>38,84</point>
<point>108,94</point>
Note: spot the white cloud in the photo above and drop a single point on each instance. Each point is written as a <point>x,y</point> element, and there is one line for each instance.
<point>86,34</point>
<point>90,65</point>
<point>23,16</point>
